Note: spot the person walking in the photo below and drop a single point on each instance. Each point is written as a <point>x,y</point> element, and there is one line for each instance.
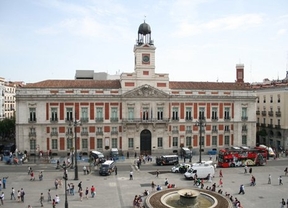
<point>81,194</point>
<point>131,174</point>
<point>13,194</point>
<point>93,191</point>
<point>285,171</point>
<point>41,199</point>
<point>79,186</point>
<point>115,170</point>
<point>157,173</point>
<point>53,203</point>
<point>86,192</point>
<point>220,174</point>
<point>153,186</point>
<point>250,170</point>
<point>242,190</point>
<point>280,180</point>
<point>283,203</point>
<point>4,181</point>
<point>49,195</point>
<point>2,198</point>
<point>22,195</point>
<point>19,196</point>
<point>220,183</point>
<point>269,179</point>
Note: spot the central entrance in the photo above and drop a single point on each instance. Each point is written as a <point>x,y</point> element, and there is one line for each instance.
<point>145,142</point>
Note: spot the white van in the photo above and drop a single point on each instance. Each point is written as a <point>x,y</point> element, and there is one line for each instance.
<point>202,171</point>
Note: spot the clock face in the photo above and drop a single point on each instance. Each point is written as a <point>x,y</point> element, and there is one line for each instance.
<point>145,59</point>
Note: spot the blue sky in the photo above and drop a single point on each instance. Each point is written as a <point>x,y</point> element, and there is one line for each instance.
<point>196,40</point>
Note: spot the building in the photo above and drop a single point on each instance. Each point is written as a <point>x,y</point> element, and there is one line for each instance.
<point>271,111</point>
<point>141,112</point>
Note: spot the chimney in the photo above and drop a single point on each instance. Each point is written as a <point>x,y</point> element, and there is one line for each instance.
<point>240,73</point>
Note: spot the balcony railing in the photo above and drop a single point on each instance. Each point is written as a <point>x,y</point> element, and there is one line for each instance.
<point>140,120</point>
<point>278,126</point>
<point>54,134</point>
<point>99,132</point>
<point>32,120</point>
<point>226,130</point>
<point>263,125</point>
<point>32,134</point>
<point>175,131</point>
<point>264,113</point>
<point>114,119</point>
<point>69,134</point>
<point>84,120</point>
<point>175,119</point>
<point>188,131</point>
<point>99,120</point>
<point>84,133</point>
<point>114,132</point>
<point>202,131</point>
<point>227,118</point>
<point>214,118</point>
<point>244,118</point>
<point>53,119</point>
<point>257,112</point>
<point>201,118</point>
<point>68,120</point>
<point>214,131</point>
<point>270,125</point>
<point>188,118</point>
<point>278,113</point>
<point>244,130</point>
<point>270,113</point>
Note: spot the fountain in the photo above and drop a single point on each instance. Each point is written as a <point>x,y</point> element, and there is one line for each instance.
<point>188,198</point>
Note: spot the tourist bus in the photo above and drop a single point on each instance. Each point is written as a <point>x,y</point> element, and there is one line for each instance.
<point>242,156</point>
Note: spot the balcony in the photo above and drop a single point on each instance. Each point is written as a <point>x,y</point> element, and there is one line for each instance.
<point>263,125</point>
<point>202,131</point>
<point>53,120</point>
<point>270,113</point>
<point>84,120</point>
<point>99,133</point>
<point>84,133</point>
<point>244,118</point>
<point>30,120</point>
<point>188,118</point>
<point>32,134</point>
<point>201,118</point>
<point>67,120</point>
<point>278,126</point>
<point>54,134</point>
<point>226,130</point>
<point>114,119</point>
<point>140,120</point>
<point>270,125</point>
<point>214,118</point>
<point>175,131</point>
<point>189,131</point>
<point>227,118</point>
<point>214,131</point>
<point>69,134</point>
<point>114,132</point>
<point>257,124</point>
<point>175,119</point>
<point>99,120</point>
<point>257,112</point>
<point>264,113</point>
<point>278,113</point>
<point>244,130</point>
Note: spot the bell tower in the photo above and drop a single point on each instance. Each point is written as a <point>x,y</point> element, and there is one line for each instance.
<point>144,53</point>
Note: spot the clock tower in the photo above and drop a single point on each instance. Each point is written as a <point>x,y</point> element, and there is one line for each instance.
<point>144,52</point>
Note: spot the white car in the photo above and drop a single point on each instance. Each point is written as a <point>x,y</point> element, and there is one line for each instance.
<point>180,168</point>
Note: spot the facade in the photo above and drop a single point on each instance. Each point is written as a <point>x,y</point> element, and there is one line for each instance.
<point>141,112</point>
<point>2,106</point>
<point>271,111</point>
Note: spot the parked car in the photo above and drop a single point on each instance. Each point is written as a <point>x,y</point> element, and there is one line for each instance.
<point>212,152</point>
<point>180,168</point>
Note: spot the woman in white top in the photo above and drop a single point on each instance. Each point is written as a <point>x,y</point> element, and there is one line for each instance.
<point>57,199</point>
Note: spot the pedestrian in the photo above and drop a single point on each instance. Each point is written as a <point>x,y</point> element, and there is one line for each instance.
<point>242,189</point>
<point>81,194</point>
<point>166,182</point>
<point>0,185</point>
<point>135,155</point>
<point>4,182</point>
<point>93,191</point>
<point>245,169</point>
<point>210,157</point>
<point>157,173</point>
<point>56,183</point>
<point>13,194</point>
<point>49,195</point>
<point>220,174</point>
<point>22,194</point>
<point>29,206</point>
<point>53,203</point>
<point>213,187</point>
<point>32,176</point>
<point>280,180</point>
<point>131,174</point>
<point>79,186</point>
<point>29,170</point>
<point>86,192</point>
<point>209,178</point>
<point>84,170</point>
<point>115,170</point>
<point>283,203</point>
<point>250,170</point>
<point>220,183</point>
<point>41,199</point>
<point>40,176</point>
<point>19,196</point>
<point>285,171</point>
<point>269,179</point>
<point>153,186</point>
<point>2,198</point>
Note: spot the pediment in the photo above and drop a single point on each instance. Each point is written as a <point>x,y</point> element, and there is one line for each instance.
<point>146,91</point>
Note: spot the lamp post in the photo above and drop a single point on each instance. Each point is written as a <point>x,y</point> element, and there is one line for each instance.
<point>75,123</point>
<point>65,177</point>
<point>201,124</point>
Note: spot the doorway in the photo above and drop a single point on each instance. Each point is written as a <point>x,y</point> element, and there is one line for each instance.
<point>145,142</point>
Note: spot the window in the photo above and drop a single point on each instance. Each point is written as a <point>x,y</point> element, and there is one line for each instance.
<point>159,113</point>
<point>201,140</point>
<point>99,131</point>
<point>175,130</point>
<point>188,113</point>
<point>114,142</point>
<point>278,98</point>
<point>188,141</point>
<point>114,113</point>
<point>244,140</point>
<point>226,140</point>
<point>188,130</point>
<point>84,131</point>
<point>258,120</point>
<point>175,142</point>
<point>264,99</point>
<point>54,131</point>
<point>214,113</point>
<point>201,113</point>
<point>32,144</point>
<point>32,114</point>
<point>69,114</point>
<point>84,143</point>
<point>175,113</point>
<point>271,98</point>
<point>226,128</point>
<point>32,132</point>
<point>244,128</point>
<point>271,121</point>
<point>160,142</point>
<point>130,113</point>
<point>226,113</point>
<point>145,113</point>
<point>130,143</point>
<point>54,115</point>
<point>114,130</point>
<point>214,140</point>
<point>84,114</point>
<point>69,143</point>
<point>278,122</point>
<point>244,113</point>
<point>264,120</point>
<point>99,114</point>
<point>69,131</point>
<point>99,143</point>
<point>54,144</point>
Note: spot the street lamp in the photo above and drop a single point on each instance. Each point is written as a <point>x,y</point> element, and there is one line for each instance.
<point>65,177</point>
<point>75,124</point>
<point>201,124</point>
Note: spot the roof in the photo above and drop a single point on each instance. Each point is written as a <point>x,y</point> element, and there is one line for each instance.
<point>100,84</point>
<point>209,85</point>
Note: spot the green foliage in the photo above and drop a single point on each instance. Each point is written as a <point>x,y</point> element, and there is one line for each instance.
<point>7,129</point>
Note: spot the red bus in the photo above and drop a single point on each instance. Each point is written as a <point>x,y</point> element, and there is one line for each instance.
<point>241,156</point>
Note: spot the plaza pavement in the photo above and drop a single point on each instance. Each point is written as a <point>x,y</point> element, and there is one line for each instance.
<point>118,191</point>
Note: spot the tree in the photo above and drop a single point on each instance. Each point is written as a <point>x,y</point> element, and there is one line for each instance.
<point>7,129</point>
